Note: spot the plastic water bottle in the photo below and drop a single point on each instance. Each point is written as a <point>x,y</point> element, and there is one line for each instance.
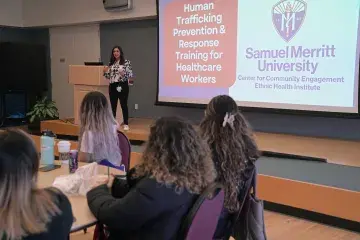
<point>47,148</point>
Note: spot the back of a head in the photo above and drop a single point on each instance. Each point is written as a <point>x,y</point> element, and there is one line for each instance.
<point>220,105</point>
<point>18,157</point>
<point>176,154</point>
<point>96,116</point>
<point>95,108</point>
<point>232,143</point>
<point>24,208</point>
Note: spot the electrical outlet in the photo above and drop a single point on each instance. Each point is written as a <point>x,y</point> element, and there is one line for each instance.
<point>136,106</point>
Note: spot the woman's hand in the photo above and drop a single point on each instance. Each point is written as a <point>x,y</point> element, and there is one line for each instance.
<point>131,81</point>
<point>111,180</point>
<point>106,69</point>
<point>99,180</point>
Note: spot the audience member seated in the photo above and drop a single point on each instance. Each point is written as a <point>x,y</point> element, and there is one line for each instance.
<point>234,150</point>
<point>98,131</point>
<point>176,168</point>
<point>27,212</point>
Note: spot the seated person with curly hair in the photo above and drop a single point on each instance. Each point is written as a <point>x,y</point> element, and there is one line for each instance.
<point>234,151</point>
<point>176,168</point>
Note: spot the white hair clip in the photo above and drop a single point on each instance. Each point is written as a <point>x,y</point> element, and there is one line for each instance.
<point>229,119</point>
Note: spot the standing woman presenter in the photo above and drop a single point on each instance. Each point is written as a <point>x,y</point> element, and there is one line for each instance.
<point>119,72</point>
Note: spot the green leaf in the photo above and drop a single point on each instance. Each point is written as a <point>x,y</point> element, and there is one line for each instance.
<point>49,113</point>
<point>43,108</point>
<point>32,118</point>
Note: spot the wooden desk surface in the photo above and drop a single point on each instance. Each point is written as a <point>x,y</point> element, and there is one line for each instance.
<point>84,218</point>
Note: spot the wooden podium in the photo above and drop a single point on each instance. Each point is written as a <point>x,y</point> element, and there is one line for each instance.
<point>86,79</point>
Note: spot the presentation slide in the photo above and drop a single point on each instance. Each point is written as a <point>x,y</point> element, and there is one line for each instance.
<point>282,54</point>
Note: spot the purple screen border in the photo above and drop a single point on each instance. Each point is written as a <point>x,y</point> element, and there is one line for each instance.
<point>190,92</point>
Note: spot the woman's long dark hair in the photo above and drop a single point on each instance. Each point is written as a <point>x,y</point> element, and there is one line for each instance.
<point>112,58</point>
<point>233,145</point>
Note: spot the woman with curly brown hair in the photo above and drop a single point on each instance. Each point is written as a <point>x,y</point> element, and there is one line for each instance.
<point>234,150</point>
<point>177,167</point>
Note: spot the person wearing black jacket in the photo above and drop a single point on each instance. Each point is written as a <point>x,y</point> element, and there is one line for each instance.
<point>60,225</point>
<point>26,211</point>
<point>176,168</point>
<point>234,152</point>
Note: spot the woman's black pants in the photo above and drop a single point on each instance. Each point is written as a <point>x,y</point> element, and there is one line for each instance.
<point>123,96</point>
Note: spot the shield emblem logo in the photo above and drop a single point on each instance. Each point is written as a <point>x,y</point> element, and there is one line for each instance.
<point>288,17</point>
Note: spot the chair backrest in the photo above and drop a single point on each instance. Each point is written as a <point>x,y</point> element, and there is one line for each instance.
<point>201,221</point>
<point>125,148</point>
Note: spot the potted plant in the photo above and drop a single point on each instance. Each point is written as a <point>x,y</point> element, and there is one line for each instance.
<point>43,109</point>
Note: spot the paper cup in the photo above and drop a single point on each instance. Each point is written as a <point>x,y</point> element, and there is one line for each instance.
<point>64,151</point>
<point>64,146</point>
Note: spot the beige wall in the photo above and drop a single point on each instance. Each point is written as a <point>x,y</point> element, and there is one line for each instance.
<point>36,13</point>
<point>11,13</point>
<point>69,12</point>
<point>70,45</point>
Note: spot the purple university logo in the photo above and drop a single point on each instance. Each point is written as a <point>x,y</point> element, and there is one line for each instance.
<point>288,16</point>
